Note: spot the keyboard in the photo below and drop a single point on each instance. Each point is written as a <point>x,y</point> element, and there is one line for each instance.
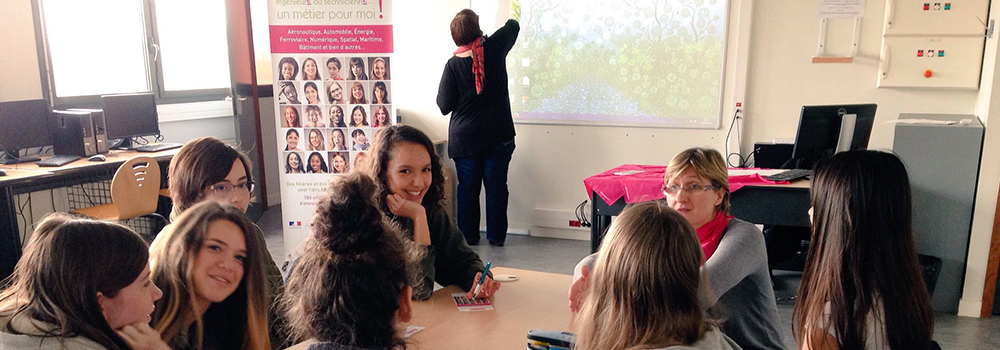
<point>790,175</point>
<point>58,160</point>
<point>156,147</point>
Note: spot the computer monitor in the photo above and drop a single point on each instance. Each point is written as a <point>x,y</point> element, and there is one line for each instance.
<point>130,115</point>
<point>23,124</point>
<point>825,130</point>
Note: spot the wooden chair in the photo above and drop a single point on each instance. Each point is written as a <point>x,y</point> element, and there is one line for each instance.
<point>135,190</point>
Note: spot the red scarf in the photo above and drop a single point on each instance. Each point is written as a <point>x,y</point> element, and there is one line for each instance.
<point>710,234</point>
<point>477,61</point>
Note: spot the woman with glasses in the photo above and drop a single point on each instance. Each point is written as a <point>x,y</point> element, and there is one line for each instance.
<point>199,172</point>
<point>696,184</point>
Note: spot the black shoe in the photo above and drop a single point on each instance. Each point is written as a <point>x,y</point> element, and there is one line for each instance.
<point>472,243</point>
<point>498,244</point>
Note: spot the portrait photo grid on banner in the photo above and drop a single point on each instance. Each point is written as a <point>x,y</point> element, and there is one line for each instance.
<point>332,70</point>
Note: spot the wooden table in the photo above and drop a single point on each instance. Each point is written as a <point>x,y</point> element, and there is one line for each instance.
<point>28,177</point>
<point>537,300</point>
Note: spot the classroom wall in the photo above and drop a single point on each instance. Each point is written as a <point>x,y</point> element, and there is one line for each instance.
<point>989,179</point>
<point>550,162</point>
<point>19,61</point>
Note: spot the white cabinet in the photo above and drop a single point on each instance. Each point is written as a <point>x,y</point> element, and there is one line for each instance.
<point>933,44</point>
<point>908,17</point>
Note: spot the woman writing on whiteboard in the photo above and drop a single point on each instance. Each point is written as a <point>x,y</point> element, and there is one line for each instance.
<point>481,132</point>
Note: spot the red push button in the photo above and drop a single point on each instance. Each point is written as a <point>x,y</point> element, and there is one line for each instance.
<point>928,73</point>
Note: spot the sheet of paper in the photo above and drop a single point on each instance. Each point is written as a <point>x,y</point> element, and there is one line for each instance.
<point>627,172</point>
<point>466,304</point>
<point>762,172</point>
<point>411,330</point>
<point>841,8</point>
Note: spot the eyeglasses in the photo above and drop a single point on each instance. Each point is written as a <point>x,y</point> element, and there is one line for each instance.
<point>227,189</point>
<point>689,189</point>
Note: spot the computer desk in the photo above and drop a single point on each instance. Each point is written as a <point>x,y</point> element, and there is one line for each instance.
<point>536,301</point>
<point>785,205</point>
<point>29,177</point>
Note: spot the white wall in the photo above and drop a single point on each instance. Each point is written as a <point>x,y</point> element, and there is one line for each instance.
<point>551,162</point>
<point>989,180</point>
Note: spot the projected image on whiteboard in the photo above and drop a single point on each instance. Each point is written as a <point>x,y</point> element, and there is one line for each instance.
<point>627,62</point>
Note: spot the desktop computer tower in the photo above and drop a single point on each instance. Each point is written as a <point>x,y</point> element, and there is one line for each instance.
<point>100,128</point>
<point>72,133</point>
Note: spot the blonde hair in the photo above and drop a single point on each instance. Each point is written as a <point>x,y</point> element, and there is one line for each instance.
<point>644,287</point>
<point>172,258</point>
<point>708,164</point>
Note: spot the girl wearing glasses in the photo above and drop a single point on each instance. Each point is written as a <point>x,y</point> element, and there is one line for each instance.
<point>208,264</point>
<point>696,184</point>
<point>196,174</point>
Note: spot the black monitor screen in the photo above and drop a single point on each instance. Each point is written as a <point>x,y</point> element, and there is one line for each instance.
<point>24,124</point>
<point>819,131</point>
<point>130,115</point>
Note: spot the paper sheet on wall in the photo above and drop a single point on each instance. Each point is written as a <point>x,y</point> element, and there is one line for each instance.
<point>841,8</point>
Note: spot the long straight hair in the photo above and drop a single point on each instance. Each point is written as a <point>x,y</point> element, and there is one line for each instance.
<point>66,263</point>
<point>644,287</point>
<point>862,259</point>
<point>243,315</point>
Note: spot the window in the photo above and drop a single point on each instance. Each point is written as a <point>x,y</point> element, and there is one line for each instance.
<point>177,49</point>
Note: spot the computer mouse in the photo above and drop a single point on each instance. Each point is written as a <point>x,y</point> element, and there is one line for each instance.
<point>97,158</point>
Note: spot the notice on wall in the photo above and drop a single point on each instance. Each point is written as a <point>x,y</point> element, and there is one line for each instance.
<point>841,8</point>
<point>332,69</point>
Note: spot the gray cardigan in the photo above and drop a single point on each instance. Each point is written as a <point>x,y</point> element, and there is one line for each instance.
<point>741,287</point>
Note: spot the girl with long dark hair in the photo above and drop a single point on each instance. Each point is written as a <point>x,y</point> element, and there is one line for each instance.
<point>862,286</point>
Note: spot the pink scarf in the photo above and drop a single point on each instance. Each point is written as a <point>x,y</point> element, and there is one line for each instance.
<point>710,234</point>
<point>477,61</point>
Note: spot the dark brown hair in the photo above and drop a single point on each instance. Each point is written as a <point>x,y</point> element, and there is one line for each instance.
<point>465,27</point>
<point>346,286</point>
<point>66,263</point>
<point>381,151</point>
<point>862,258</point>
<point>202,162</point>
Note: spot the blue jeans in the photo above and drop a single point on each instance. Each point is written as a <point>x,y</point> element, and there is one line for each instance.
<point>489,168</point>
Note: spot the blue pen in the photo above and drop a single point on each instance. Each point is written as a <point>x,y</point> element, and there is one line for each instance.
<point>482,279</point>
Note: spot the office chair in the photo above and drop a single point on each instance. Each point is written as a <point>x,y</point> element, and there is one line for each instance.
<point>135,191</point>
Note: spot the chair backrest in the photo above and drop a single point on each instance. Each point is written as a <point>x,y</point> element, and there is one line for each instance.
<point>135,188</point>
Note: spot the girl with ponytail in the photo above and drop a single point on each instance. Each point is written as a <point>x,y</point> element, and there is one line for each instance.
<point>350,286</point>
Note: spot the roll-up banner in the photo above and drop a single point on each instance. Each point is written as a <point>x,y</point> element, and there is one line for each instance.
<point>332,71</point>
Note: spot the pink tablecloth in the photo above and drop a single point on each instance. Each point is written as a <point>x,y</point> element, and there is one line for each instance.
<point>640,183</point>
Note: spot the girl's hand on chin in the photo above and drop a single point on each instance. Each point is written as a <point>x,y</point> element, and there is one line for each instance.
<point>142,337</point>
<point>402,207</point>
